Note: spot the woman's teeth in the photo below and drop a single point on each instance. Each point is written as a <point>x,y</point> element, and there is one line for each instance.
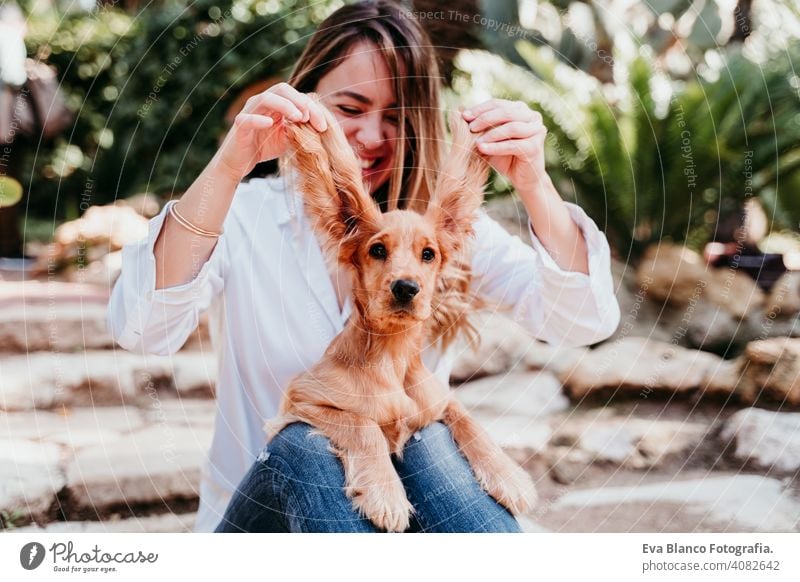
<point>367,164</point>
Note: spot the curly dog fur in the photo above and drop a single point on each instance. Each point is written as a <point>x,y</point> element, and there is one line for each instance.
<point>371,391</point>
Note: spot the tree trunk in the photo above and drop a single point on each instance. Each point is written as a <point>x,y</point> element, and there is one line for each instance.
<point>742,25</point>
<point>10,240</point>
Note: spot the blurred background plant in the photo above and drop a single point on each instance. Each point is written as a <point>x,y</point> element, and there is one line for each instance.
<point>664,115</point>
<point>86,47</point>
<point>151,90</point>
<point>189,62</point>
<point>651,159</point>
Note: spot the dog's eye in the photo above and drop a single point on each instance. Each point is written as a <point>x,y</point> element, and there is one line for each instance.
<point>428,255</point>
<point>377,251</point>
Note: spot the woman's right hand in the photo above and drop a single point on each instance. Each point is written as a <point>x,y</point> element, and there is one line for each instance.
<point>258,133</point>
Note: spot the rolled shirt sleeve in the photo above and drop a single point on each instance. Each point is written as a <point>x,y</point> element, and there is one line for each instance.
<point>560,307</point>
<point>159,321</point>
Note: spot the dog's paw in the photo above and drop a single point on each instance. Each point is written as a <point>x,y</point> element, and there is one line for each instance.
<point>385,505</point>
<point>509,484</point>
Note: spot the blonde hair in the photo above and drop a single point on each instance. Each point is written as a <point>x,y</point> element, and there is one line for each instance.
<point>411,60</point>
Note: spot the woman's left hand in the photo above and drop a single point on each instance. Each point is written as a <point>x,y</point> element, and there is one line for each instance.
<point>512,139</point>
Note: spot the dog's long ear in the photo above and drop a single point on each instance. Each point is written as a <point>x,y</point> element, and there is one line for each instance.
<point>329,177</point>
<point>459,188</point>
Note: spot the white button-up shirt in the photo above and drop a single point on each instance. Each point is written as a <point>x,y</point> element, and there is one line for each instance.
<point>273,311</point>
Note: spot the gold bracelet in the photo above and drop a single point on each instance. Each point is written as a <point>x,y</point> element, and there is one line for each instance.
<point>188,225</point>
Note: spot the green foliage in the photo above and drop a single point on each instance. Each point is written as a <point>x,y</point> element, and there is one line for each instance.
<point>651,159</point>
<point>590,34</point>
<point>12,519</point>
<point>186,66</point>
<point>150,91</point>
<point>84,48</point>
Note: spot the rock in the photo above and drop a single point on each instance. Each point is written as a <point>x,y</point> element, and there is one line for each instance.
<point>61,327</point>
<point>527,394</point>
<point>65,317</point>
<point>81,427</point>
<point>639,366</point>
<point>769,326</point>
<point>768,440</point>
<point>502,346</point>
<point>554,359</point>
<point>181,412</point>
<point>735,502</point>
<point>506,346</point>
<point>567,465</point>
<point>513,409</point>
<point>784,299</point>
<point>734,291</point>
<point>771,368</point>
<point>635,443</point>
<point>678,275</point>
<point>113,225</point>
<point>714,329</point>
<point>608,443</point>
<point>101,229</point>
<point>724,380</point>
<point>102,272</point>
<point>27,385</point>
<point>75,427</point>
<point>30,476</point>
<point>665,440</point>
<point>98,378</point>
<point>53,315</point>
<point>672,273</point>
<point>94,460</point>
<point>195,374</point>
<point>640,317</point>
<point>156,464</point>
<point>165,523</point>
<point>521,437</point>
<point>45,293</point>
<point>146,204</point>
<point>52,379</point>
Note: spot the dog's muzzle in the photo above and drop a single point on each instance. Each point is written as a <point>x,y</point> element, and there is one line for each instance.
<point>404,290</point>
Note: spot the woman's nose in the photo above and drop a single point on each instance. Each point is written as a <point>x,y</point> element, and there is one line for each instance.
<point>369,135</point>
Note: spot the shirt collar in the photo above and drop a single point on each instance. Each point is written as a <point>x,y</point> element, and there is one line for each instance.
<point>291,206</point>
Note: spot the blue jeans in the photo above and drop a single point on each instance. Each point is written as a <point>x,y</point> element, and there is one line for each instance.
<point>297,485</point>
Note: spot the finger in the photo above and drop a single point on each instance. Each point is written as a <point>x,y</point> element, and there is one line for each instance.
<point>476,110</point>
<point>268,103</point>
<point>253,121</point>
<point>512,130</point>
<point>522,148</point>
<point>291,94</point>
<point>501,114</point>
<point>312,110</point>
<point>317,116</point>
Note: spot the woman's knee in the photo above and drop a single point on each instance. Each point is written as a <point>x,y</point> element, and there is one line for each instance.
<point>302,449</point>
<point>443,488</point>
<point>432,445</point>
<point>312,482</point>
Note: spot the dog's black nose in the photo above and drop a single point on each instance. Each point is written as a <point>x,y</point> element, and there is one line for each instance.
<point>404,290</point>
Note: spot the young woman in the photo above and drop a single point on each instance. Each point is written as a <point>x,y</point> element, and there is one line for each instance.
<point>246,252</point>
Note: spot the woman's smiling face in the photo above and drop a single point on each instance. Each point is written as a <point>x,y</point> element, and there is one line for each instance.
<point>360,94</point>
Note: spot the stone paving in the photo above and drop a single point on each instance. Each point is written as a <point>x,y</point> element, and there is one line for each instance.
<point>95,439</point>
